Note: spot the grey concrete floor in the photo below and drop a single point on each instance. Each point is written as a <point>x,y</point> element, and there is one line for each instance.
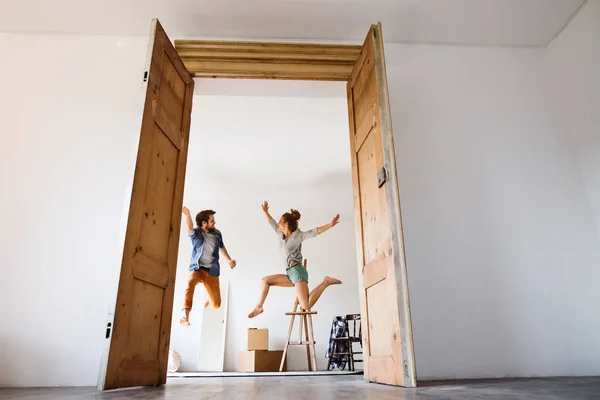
<point>350,387</point>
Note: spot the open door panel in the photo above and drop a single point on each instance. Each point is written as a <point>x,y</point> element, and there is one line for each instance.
<point>139,339</point>
<point>387,334</point>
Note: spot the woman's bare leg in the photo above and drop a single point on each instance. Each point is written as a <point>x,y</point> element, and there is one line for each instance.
<point>318,291</point>
<point>302,294</point>
<point>266,283</point>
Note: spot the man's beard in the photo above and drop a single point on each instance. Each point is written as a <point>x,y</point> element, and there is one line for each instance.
<point>211,230</point>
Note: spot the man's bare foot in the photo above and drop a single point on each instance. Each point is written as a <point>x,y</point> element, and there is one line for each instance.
<point>206,304</point>
<point>332,281</point>
<point>184,321</point>
<point>257,310</point>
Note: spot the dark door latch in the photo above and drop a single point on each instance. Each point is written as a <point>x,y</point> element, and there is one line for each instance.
<point>381,177</point>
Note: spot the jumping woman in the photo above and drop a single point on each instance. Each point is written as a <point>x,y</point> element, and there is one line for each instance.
<point>290,245</point>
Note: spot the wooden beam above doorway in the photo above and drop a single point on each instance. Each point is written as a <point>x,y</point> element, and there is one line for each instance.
<point>267,60</point>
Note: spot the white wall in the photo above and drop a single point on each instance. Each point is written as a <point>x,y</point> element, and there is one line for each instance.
<point>502,251</point>
<point>294,152</point>
<point>574,62</point>
<point>70,115</point>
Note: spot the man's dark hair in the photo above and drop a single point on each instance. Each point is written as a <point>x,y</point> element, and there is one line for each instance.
<point>203,216</point>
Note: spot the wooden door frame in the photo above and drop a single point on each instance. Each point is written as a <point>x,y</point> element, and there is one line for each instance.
<point>318,62</point>
<point>267,60</point>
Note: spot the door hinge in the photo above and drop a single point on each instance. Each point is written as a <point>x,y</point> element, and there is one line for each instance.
<point>108,329</point>
<point>145,76</point>
<point>382,177</point>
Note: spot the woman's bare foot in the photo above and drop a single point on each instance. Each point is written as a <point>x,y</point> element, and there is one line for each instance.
<point>184,321</point>
<point>257,310</point>
<point>332,281</point>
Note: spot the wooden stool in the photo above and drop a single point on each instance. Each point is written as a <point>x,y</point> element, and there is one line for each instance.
<point>309,337</point>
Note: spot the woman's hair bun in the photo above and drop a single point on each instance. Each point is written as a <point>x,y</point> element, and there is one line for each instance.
<point>295,214</point>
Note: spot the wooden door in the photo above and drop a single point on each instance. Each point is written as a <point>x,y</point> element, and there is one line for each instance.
<point>387,332</point>
<point>141,330</point>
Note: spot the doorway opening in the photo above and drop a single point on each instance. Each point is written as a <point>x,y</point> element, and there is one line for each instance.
<point>285,142</point>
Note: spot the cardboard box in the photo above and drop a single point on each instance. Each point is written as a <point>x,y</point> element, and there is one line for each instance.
<point>261,361</point>
<point>258,339</point>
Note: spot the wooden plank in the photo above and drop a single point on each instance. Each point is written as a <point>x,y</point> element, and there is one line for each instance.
<point>300,329</point>
<point>307,340</point>
<point>170,52</point>
<point>268,47</point>
<point>148,270</point>
<point>373,199</point>
<point>368,122</point>
<point>188,54</point>
<point>171,91</point>
<point>376,270</point>
<point>365,80</point>
<point>312,343</point>
<point>366,88</point>
<point>158,201</point>
<point>409,378</point>
<point>381,327</point>
<point>301,313</point>
<point>364,56</point>
<point>289,335</point>
<point>267,70</point>
<point>135,371</point>
<point>379,368</point>
<point>140,364</point>
<point>255,60</point>
<point>360,261</point>
<point>168,127</point>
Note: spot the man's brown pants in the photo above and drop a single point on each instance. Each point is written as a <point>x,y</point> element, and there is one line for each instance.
<point>211,284</point>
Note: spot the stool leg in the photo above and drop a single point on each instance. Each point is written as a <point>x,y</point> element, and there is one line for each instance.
<point>304,317</point>
<point>312,345</point>
<point>287,343</point>
<point>301,319</point>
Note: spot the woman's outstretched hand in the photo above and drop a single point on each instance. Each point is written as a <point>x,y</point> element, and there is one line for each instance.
<point>335,220</point>
<point>330,225</point>
<point>265,206</point>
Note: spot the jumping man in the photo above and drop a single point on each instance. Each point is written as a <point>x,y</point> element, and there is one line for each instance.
<point>207,242</point>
